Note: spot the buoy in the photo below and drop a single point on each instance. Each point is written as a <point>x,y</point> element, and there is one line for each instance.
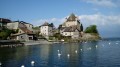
<point>58,50</point>
<point>109,43</point>
<point>85,42</point>
<point>68,55</point>
<point>75,51</point>
<point>96,46</point>
<point>32,62</point>
<point>89,48</point>
<point>59,54</point>
<point>22,66</point>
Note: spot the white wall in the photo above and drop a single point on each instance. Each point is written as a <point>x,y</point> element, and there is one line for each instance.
<point>66,33</point>
<point>20,31</point>
<point>29,26</point>
<point>75,34</point>
<point>23,37</point>
<point>71,23</point>
<point>46,31</point>
<point>13,25</point>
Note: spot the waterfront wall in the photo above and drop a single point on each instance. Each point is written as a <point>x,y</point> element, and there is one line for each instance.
<point>10,43</point>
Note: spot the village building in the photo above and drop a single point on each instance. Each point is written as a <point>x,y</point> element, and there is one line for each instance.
<point>46,30</point>
<point>25,31</point>
<point>3,22</point>
<point>23,35</point>
<point>71,27</point>
<point>71,31</point>
<point>29,26</point>
<point>19,24</point>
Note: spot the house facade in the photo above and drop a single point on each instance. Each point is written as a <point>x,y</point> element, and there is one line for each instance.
<point>71,27</point>
<point>23,35</point>
<point>19,24</point>
<point>25,32</point>
<point>29,26</point>
<point>71,31</point>
<point>3,22</point>
<point>46,30</point>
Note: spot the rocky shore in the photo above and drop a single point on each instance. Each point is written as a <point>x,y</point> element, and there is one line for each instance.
<point>85,37</point>
<point>90,37</point>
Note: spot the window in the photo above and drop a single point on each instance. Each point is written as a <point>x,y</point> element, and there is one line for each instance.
<point>21,37</point>
<point>65,33</point>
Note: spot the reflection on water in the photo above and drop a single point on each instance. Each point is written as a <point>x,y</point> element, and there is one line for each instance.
<point>90,54</point>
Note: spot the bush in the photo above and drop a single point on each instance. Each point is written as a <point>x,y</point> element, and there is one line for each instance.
<point>91,29</point>
<point>5,33</point>
<point>58,36</point>
<point>51,38</point>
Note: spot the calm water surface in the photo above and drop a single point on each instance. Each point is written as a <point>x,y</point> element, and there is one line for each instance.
<point>103,53</point>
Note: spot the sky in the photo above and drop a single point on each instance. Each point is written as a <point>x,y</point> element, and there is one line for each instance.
<point>103,13</point>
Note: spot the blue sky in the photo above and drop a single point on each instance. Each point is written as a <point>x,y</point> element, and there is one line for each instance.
<point>104,13</point>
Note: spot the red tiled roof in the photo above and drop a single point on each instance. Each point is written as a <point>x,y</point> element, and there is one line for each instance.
<point>26,31</point>
<point>46,24</point>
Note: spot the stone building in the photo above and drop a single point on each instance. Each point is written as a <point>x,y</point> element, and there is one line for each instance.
<point>71,27</point>
<point>46,30</point>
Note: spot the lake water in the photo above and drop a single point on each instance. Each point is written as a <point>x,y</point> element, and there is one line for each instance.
<point>103,53</point>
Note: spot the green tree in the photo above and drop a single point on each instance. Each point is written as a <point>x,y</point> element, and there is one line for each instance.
<point>58,36</point>
<point>5,33</point>
<point>51,24</point>
<point>91,29</point>
<point>60,26</point>
<point>17,31</point>
<point>81,27</point>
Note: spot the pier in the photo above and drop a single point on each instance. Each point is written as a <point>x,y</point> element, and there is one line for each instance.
<point>10,43</point>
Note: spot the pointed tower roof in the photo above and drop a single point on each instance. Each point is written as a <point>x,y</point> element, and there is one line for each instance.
<point>46,24</point>
<point>72,17</point>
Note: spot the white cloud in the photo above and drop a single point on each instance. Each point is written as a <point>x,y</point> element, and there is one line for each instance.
<point>99,19</point>
<point>86,20</point>
<point>55,21</point>
<point>107,24</point>
<point>105,3</point>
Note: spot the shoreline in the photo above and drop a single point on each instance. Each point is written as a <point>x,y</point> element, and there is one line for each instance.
<point>10,43</point>
<point>36,42</point>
